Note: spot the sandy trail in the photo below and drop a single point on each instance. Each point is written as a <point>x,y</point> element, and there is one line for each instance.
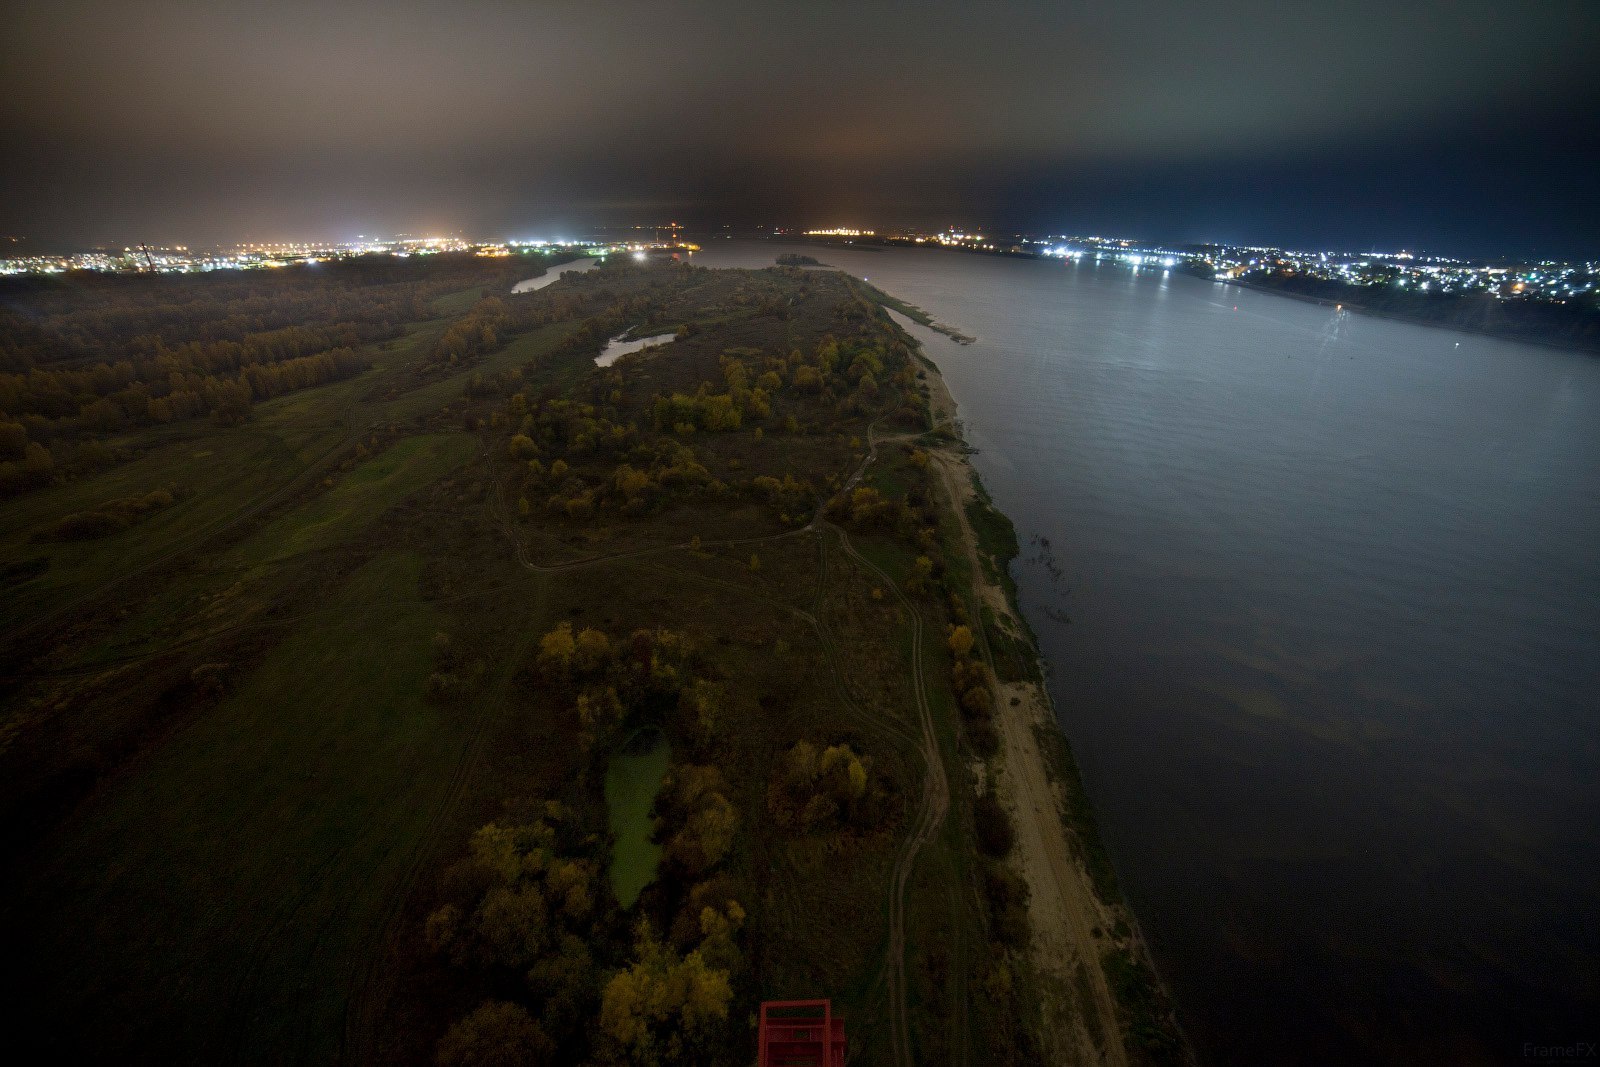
<point>1063,907</point>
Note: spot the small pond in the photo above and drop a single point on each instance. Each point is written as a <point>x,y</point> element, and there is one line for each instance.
<point>632,781</point>
<point>619,346</point>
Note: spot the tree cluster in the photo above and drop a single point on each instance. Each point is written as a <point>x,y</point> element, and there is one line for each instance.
<point>670,1005</point>
<point>521,911</point>
<point>970,680</point>
<point>649,676</point>
<point>480,331</point>
<point>826,789</point>
<point>111,516</point>
<point>99,355</point>
<point>667,1008</point>
<point>695,820</point>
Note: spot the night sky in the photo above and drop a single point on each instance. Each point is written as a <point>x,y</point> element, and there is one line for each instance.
<point>1460,127</point>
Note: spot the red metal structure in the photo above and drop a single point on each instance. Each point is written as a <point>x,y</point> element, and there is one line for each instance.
<point>800,1033</point>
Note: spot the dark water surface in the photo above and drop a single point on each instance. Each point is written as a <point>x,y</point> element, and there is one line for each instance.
<point>1332,672</point>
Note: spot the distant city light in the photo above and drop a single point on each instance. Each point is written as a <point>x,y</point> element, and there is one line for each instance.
<point>1437,276</point>
<point>179,259</point>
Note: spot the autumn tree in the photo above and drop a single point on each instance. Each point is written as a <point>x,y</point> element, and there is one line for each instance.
<point>921,575</point>
<point>496,1034</point>
<point>822,788</point>
<point>593,648</point>
<point>663,1009</point>
<point>693,801</point>
<point>557,648</point>
<point>700,709</point>
<point>566,982</point>
<point>522,896</point>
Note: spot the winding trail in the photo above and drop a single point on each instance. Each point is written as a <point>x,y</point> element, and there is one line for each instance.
<point>934,804</point>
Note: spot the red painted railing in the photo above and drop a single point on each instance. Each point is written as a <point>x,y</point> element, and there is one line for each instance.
<point>800,1033</point>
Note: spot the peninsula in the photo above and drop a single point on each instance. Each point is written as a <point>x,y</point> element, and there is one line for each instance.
<point>400,686</point>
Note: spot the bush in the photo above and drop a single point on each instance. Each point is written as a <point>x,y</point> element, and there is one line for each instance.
<point>109,518</point>
<point>824,789</point>
<point>497,1034</point>
<point>1007,896</point>
<point>984,738</point>
<point>996,836</point>
<point>85,526</point>
<point>978,702</point>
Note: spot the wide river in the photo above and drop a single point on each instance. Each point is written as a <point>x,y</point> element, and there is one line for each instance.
<point>1320,595</point>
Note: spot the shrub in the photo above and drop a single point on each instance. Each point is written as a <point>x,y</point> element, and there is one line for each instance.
<point>497,1034</point>
<point>996,836</point>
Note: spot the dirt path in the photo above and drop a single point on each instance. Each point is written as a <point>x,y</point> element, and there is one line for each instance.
<point>931,810</point>
<point>1063,907</point>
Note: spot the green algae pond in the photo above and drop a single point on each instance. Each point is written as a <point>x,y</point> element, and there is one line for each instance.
<point>632,781</point>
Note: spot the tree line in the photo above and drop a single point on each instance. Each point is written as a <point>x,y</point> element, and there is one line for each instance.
<point>89,356</point>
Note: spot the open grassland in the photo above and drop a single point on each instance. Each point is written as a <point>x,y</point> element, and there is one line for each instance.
<point>209,908</point>
<point>359,497</point>
<point>332,772</point>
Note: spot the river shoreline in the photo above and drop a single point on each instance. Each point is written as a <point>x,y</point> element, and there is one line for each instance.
<point>1083,928</point>
<point>1231,528</point>
<point>1352,303</point>
<point>1410,319</point>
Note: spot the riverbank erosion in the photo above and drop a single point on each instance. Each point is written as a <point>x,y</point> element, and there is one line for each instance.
<point>1097,995</point>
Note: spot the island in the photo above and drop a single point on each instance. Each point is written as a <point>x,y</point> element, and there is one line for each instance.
<point>392,684</point>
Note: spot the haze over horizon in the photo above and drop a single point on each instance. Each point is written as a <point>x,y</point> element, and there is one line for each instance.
<point>1467,130</point>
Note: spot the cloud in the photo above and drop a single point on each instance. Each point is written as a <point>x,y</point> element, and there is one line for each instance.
<point>483,109</point>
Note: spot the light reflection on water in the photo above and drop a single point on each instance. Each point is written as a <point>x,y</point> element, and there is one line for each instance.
<point>618,346</point>
<point>577,266</point>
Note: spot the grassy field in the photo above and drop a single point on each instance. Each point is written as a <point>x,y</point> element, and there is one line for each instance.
<point>359,497</point>
<point>255,849</point>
